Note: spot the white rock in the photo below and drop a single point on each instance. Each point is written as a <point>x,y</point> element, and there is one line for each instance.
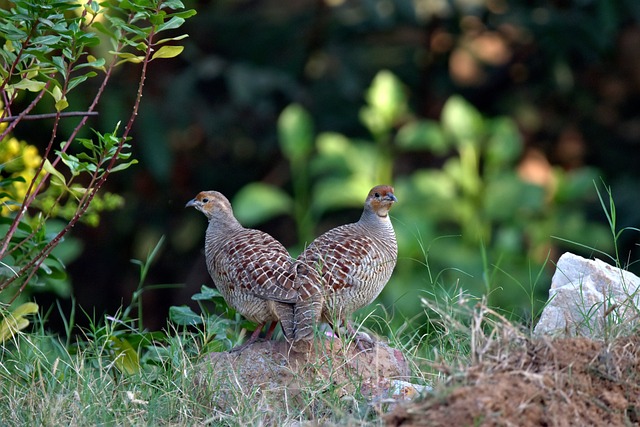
<point>589,298</point>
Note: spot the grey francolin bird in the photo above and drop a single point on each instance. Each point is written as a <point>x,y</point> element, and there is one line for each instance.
<point>256,275</point>
<point>356,260</point>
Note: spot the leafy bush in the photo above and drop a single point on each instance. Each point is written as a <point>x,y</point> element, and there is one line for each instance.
<point>52,49</point>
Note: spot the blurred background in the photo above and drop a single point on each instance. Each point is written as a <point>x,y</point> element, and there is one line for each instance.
<point>494,120</point>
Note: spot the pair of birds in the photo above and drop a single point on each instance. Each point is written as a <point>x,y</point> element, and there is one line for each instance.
<point>341,271</point>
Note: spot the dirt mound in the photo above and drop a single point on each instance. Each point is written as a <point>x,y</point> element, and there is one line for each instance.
<point>544,382</point>
<point>275,377</point>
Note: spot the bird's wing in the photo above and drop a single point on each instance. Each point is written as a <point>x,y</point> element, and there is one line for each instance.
<point>265,266</point>
<point>344,256</point>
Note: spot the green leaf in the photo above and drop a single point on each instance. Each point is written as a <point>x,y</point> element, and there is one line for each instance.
<point>171,24</point>
<point>508,197</point>
<point>123,166</point>
<point>339,155</point>
<point>575,185</point>
<point>73,163</point>
<point>168,52</point>
<point>184,316</point>
<point>46,40</point>
<point>387,103</point>
<point>505,144</point>
<point>258,202</point>
<point>172,4</point>
<point>206,293</point>
<point>435,186</point>
<point>22,225</point>
<point>185,14</point>
<point>387,96</point>
<point>157,18</point>
<point>77,80</point>
<point>94,62</point>
<point>295,131</point>
<point>4,182</point>
<point>422,135</point>
<point>462,121</point>
<point>55,272</point>
<point>332,193</point>
<point>60,65</point>
<point>103,29</point>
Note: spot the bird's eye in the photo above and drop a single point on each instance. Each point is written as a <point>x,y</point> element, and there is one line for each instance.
<point>377,195</point>
<point>205,200</point>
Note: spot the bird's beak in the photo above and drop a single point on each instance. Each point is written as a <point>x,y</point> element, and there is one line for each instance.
<point>190,203</point>
<point>391,197</point>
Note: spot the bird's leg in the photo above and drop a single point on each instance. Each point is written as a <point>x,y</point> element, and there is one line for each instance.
<point>270,330</point>
<point>253,338</point>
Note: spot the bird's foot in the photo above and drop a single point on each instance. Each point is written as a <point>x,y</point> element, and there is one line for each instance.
<point>302,346</point>
<point>240,347</point>
<point>253,338</point>
<point>363,341</point>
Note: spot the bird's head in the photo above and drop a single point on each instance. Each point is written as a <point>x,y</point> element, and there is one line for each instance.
<point>380,200</point>
<point>211,203</point>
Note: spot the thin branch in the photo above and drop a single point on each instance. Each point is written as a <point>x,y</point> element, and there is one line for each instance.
<point>50,116</point>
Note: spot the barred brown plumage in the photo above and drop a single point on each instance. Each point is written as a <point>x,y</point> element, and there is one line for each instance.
<point>355,260</point>
<point>256,275</point>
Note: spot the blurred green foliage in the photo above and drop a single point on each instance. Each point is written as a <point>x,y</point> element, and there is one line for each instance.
<point>476,220</point>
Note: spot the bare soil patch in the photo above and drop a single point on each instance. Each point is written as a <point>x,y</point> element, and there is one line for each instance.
<point>542,382</point>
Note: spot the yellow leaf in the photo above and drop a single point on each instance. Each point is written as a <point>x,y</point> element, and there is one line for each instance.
<point>10,325</point>
<point>127,57</point>
<point>62,104</point>
<point>30,85</point>
<point>26,309</point>
<point>56,93</point>
<point>92,59</point>
<point>135,60</point>
<point>15,320</point>
<point>162,41</point>
<point>168,52</point>
<point>126,357</point>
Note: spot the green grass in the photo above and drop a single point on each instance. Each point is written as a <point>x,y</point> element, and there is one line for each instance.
<point>44,383</point>
<point>111,373</point>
